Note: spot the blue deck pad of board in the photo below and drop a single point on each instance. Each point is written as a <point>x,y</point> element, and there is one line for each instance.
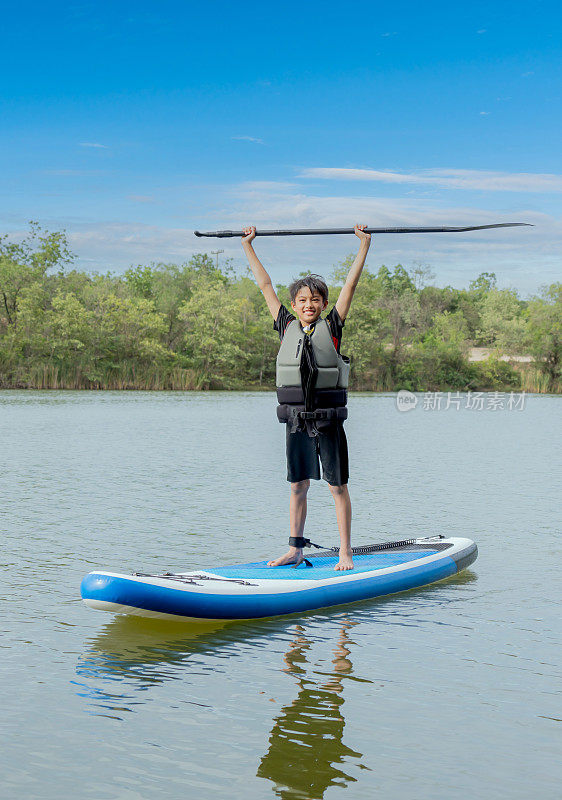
<point>323,567</point>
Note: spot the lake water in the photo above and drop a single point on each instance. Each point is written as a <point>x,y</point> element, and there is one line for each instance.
<point>445,690</point>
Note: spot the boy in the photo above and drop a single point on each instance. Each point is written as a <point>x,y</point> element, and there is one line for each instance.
<point>311,390</point>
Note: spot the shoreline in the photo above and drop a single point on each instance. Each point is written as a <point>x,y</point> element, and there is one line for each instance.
<point>269,390</point>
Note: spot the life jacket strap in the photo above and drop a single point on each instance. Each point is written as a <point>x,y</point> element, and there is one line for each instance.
<point>312,422</point>
<point>322,398</point>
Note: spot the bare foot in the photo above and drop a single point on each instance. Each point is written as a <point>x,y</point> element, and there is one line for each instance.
<point>346,559</point>
<point>293,556</point>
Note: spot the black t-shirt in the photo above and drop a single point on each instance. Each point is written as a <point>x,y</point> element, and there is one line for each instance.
<point>333,319</point>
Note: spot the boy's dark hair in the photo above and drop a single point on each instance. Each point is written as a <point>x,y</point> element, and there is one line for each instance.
<point>314,282</point>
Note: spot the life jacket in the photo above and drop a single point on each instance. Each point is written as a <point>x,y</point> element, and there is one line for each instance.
<point>315,397</point>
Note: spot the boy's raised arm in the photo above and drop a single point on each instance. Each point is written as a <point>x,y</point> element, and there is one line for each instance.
<point>346,295</point>
<point>260,274</point>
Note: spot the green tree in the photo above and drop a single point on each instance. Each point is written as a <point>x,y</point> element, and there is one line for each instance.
<point>450,328</point>
<point>259,341</point>
<point>366,329</point>
<point>485,282</point>
<point>213,335</point>
<point>503,325</point>
<point>422,276</point>
<point>141,281</point>
<point>71,332</point>
<point>400,300</point>
<point>545,332</point>
<point>432,301</point>
<point>26,263</point>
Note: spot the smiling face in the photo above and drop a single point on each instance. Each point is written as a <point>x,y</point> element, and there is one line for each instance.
<point>308,305</point>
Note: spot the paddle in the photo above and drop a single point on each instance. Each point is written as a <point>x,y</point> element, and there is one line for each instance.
<point>332,231</point>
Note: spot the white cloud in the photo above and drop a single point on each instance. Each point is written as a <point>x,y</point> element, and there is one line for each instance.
<point>72,172</point>
<point>114,245</point>
<point>524,258</point>
<point>94,144</point>
<point>521,257</point>
<point>252,139</point>
<point>260,186</point>
<point>485,113</point>
<point>481,180</point>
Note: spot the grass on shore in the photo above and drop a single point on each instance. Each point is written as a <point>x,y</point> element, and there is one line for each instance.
<point>489,375</point>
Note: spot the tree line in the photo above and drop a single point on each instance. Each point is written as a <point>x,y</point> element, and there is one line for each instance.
<point>200,326</point>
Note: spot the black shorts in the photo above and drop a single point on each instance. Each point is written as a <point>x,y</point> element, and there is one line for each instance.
<point>304,453</point>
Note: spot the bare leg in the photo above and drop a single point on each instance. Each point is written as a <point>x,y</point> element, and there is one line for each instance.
<point>343,514</point>
<point>297,518</point>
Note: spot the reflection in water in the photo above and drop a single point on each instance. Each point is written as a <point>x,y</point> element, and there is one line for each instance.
<point>306,753</point>
<point>306,744</point>
<point>133,654</point>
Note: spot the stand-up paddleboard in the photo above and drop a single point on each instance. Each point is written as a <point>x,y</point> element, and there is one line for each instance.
<point>251,591</point>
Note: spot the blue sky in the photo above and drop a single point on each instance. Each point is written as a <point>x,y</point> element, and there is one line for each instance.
<point>132,124</point>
